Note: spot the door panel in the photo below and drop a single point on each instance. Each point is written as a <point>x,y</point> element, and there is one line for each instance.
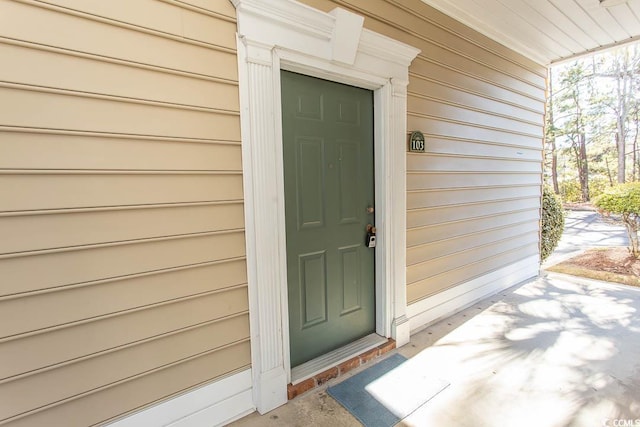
<point>328,174</point>
<point>350,211</point>
<point>310,178</point>
<point>351,283</point>
<point>313,282</point>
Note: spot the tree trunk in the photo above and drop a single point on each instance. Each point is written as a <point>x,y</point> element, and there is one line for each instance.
<point>621,156</point>
<point>622,93</point>
<point>632,232</point>
<point>609,175</point>
<point>635,146</point>
<point>583,169</point>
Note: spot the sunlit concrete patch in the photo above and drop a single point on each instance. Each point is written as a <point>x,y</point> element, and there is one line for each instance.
<point>387,392</point>
<point>557,351</point>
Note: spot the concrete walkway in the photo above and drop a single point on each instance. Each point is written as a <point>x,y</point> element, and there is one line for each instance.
<point>586,229</point>
<point>556,351</point>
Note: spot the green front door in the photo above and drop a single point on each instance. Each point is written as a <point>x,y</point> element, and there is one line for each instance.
<point>328,179</point>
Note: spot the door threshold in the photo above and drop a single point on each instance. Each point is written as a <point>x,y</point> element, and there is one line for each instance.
<point>335,357</point>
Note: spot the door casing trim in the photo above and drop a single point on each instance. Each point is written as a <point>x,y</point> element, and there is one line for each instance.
<point>287,35</point>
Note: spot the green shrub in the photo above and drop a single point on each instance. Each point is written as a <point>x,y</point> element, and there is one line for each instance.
<point>552,222</point>
<point>597,186</point>
<point>570,191</point>
<point>623,199</point>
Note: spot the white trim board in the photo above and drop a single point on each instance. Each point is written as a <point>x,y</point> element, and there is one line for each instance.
<point>275,35</point>
<point>215,404</point>
<point>431,309</point>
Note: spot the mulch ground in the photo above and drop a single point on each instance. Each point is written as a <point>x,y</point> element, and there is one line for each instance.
<point>609,264</point>
<point>614,260</point>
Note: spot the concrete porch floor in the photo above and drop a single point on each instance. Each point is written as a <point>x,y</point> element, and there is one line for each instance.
<point>556,351</point>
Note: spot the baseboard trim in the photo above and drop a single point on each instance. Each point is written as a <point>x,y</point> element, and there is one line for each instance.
<point>443,304</point>
<point>335,357</point>
<point>214,404</point>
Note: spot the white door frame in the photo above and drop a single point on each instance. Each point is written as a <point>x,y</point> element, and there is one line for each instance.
<point>275,35</point>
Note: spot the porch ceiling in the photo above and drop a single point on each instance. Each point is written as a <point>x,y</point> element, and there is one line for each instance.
<point>549,31</point>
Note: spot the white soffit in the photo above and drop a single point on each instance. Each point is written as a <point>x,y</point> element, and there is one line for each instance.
<point>549,31</point>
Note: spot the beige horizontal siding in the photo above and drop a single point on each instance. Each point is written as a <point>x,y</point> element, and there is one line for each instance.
<point>473,198</point>
<point>122,254</point>
<point>55,229</point>
<point>439,128</point>
<point>434,216</point>
<point>72,189</point>
<point>465,242</point>
<point>465,250</point>
<point>59,27</point>
<point>174,18</point>
<point>125,80</point>
<point>38,108</point>
<point>60,267</point>
<point>467,83</point>
<point>422,86</point>
<point>89,373</point>
<point>442,146</point>
<point>23,314</point>
<point>478,68</point>
<point>468,163</point>
<point>422,180</point>
<point>471,270</point>
<point>59,345</point>
<point>220,8</point>
<point>164,382</point>
<point>435,232</point>
<point>455,113</point>
<point>40,149</point>
<point>420,199</point>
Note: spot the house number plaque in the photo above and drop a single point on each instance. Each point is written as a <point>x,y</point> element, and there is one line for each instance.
<point>416,142</point>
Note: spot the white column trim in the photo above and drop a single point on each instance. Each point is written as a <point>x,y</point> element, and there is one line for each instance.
<point>398,213</point>
<point>284,34</point>
<point>265,265</point>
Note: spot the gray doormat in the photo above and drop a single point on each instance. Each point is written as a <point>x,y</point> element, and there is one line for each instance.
<point>387,392</point>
